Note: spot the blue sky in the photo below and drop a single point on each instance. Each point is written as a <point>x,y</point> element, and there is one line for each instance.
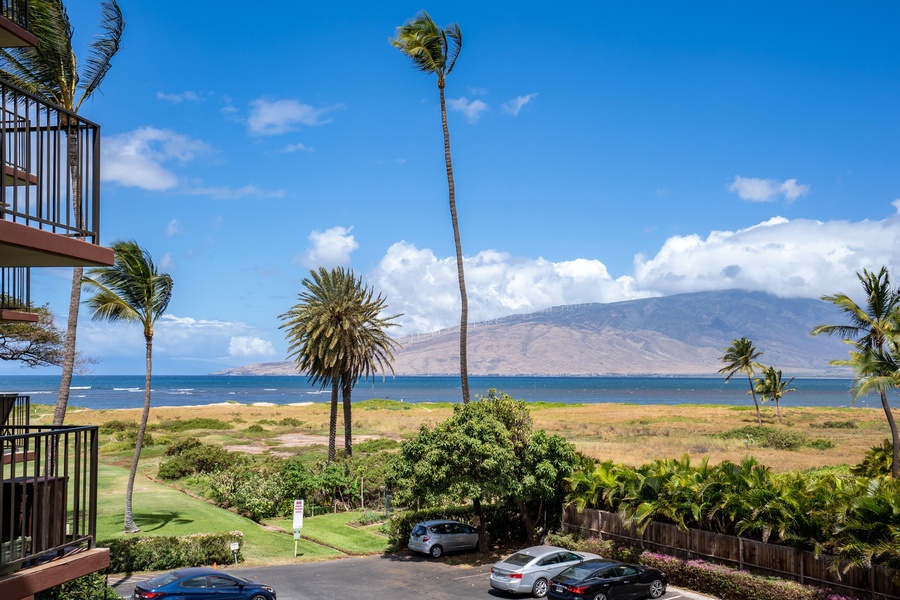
<point>602,152</point>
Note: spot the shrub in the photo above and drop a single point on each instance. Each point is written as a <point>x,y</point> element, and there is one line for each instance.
<point>192,457</point>
<point>197,423</point>
<point>166,553</point>
<point>117,425</point>
<point>129,437</point>
<point>836,425</point>
<point>182,446</point>
<point>821,444</point>
<point>290,422</point>
<point>876,462</point>
<point>768,437</point>
<point>89,587</point>
<point>378,445</point>
<point>255,428</point>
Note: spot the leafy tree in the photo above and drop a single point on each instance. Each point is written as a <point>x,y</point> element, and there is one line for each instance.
<point>771,387</point>
<point>337,335</point>
<point>50,72</point>
<point>740,357</point>
<point>434,49</point>
<point>873,330</point>
<point>131,290</point>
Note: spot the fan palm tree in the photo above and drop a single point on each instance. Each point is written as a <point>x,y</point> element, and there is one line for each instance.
<point>771,387</point>
<point>873,330</point>
<point>337,335</point>
<point>50,72</point>
<point>740,357</point>
<point>433,49</point>
<point>131,290</point>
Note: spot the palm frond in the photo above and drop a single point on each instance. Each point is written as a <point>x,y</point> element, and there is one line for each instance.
<point>103,48</point>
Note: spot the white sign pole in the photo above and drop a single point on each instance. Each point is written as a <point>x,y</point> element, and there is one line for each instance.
<point>298,523</point>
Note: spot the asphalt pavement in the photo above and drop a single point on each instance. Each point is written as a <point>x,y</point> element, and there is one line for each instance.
<point>401,576</point>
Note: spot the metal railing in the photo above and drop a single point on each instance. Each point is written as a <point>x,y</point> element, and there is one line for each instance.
<point>16,11</point>
<point>15,411</point>
<point>50,166</point>
<point>48,505</point>
<point>15,288</point>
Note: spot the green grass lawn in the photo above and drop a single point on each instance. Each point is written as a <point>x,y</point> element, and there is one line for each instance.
<point>163,511</point>
<point>334,530</point>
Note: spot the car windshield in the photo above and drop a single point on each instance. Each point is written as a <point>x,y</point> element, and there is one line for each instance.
<point>161,580</point>
<point>519,559</point>
<point>418,531</point>
<point>581,570</point>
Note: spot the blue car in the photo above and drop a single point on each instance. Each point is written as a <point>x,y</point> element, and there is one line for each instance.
<point>201,583</point>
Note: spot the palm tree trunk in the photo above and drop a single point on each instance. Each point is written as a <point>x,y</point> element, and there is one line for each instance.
<point>130,527</point>
<point>348,420</point>
<point>778,410</point>
<point>755,401</point>
<point>895,461</point>
<point>332,423</point>
<point>65,384</point>
<point>464,302</point>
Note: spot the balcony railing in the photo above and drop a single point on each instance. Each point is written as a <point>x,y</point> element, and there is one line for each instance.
<point>50,166</point>
<point>15,410</point>
<point>48,505</point>
<point>15,288</point>
<point>16,11</point>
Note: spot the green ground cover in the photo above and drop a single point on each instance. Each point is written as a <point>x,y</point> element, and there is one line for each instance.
<point>337,531</point>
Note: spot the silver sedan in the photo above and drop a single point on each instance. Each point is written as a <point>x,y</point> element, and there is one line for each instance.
<point>527,571</point>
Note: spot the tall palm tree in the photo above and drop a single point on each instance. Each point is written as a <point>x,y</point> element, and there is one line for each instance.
<point>772,387</point>
<point>337,335</point>
<point>131,290</point>
<point>50,72</point>
<point>740,357</point>
<point>873,330</point>
<point>433,49</point>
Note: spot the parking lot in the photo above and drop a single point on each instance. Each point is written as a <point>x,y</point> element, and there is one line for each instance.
<point>400,576</point>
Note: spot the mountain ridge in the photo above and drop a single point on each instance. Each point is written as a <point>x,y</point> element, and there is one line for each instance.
<point>684,334</point>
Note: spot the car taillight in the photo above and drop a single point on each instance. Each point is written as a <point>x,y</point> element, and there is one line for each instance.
<point>150,595</point>
<point>577,589</point>
<point>515,576</point>
<point>425,538</point>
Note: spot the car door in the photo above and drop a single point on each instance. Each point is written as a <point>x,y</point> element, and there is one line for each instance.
<point>196,588</point>
<point>547,567</point>
<point>224,587</point>
<point>628,583</point>
<point>566,560</point>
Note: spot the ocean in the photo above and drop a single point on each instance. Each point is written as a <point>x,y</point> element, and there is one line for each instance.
<point>111,391</point>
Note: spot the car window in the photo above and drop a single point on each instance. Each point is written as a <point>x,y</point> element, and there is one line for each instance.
<point>550,560</point>
<point>608,573</point>
<point>217,581</point>
<point>439,529</point>
<point>194,582</point>
<point>468,529</point>
<point>568,556</point>
<point>418,531</point>
<point>161,580</point>
<point>454,528</point>
<point>518,559</point>
<point>626,571</point>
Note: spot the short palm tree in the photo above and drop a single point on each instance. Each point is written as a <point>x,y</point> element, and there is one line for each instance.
<point>433,49</point>
<point>131,290</point>
<point>772,387</point>
<point>873,330</point>
<point>337,335</point>
<point>740,357</point>
<point>50,72</point>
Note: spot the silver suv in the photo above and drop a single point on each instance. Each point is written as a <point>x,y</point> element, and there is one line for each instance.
<point>439,536</point>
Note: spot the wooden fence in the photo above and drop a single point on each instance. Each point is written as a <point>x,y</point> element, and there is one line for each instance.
<point>875,583</point>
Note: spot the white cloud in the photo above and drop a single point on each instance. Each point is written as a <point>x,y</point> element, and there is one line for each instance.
<point>174,228</point>
<point>281,116</point>
<point>515,105</point>
<point>249,191</point>
<point>767,190</point>
<point>296,148</point>
<point>137,158</point>
<point>472,110</point>
<point>243,346</point>
<point>179,98</point>
<point>425,287</point>
<point>329,248</point>
<point>167,263</point>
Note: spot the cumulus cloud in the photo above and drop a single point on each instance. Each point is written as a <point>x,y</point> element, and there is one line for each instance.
<point>424,287</point>
<point>329,248</point>
<point>472,110</point>
<point>515,105</point>
<point>249,191</point>
<point>767,190</point>
<point>138,158</point>
<point>174,228</point>
<point>281,116</point>
<point>167,263</point>
<point>296,148</point>
<point>243,346</point>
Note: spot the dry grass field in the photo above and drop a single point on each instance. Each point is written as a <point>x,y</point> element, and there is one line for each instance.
<point>630,434</point>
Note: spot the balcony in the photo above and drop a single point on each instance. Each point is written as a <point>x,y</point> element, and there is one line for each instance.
<point>48,504</point>
<point>14,26</point>
<point>50,193</point>
<point>15,297</point>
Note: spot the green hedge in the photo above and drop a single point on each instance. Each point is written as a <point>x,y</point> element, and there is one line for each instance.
<point>166,553</point>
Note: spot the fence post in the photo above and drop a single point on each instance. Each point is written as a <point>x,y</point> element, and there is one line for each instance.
<point>741,553</point>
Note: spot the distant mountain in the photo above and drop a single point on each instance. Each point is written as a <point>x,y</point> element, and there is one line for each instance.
<point>684,334</point>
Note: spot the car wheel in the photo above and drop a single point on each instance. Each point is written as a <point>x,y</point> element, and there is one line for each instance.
<point>600,597</point>
<point>657,588</point>
<point>540,588</point>
<point>259,597</point>
<point>436,551</point>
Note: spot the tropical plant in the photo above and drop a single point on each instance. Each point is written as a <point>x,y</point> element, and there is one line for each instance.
<point>740,357</point>
<point>50,72</point>
<point>434,49</point>
<point>131,290</point>
<point>873,331</point>
<point>772,387</point>
<point>337,336</point>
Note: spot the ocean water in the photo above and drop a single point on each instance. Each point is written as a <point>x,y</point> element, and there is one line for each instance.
<point>109,392</point>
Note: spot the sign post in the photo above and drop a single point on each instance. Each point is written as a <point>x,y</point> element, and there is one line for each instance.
<point>298,523</point>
